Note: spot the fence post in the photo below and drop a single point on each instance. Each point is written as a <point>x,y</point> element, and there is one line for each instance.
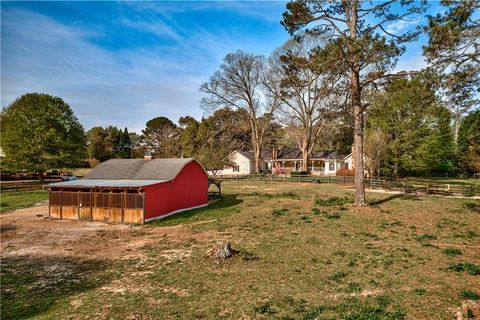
<point>343,178</point>
<point>448,187</point>
<point>427,188</point>
<point>371,183</point>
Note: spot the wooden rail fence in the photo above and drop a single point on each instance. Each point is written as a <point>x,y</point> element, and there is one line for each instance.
<point>18,186</point>
<point>395,185</point>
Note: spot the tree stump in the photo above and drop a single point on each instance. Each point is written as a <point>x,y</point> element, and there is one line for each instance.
<point>221,250</point>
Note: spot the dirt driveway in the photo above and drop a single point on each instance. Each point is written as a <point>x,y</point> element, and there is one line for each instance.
<point>30,232</point>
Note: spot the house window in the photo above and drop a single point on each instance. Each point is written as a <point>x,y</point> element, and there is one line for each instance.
<point>236,168</point>
<point>346,165</point>
<point>331,166</point>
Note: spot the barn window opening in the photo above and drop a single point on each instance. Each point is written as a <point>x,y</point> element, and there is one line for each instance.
<point>133,201</point>
<point>70,199</point>
<point>55,198</point>
<point>115,200</point>
<point>85,199</point>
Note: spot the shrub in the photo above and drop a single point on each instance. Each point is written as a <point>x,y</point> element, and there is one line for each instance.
<point>425,236</point>
<point>279,212</point>
<point>298,173</point>
<point>468,267</point>
<point>333,201</point>
<point>471,295</point>
<point>265,308</point>
<point>247,255</point>
<point>452,251</point>
<point>338,275</point>
<point>472,206</point>
<point>419,291</point>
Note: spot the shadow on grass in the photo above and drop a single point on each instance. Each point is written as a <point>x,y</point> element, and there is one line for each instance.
<point>225,206</point>
<point>393,197</point>
<point>33,285</point>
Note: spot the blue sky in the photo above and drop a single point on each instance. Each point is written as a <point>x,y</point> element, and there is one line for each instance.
<point>123,63</point>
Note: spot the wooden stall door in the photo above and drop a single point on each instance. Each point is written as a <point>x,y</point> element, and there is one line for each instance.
<point>85,213</point>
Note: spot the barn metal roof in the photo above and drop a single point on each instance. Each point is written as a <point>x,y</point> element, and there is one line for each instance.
<point>91,183</point>
<point>139,169</point>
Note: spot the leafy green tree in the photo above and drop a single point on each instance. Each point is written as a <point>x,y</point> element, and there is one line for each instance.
<point>468,151</point>
<point>40,132</point>
<point>417,129</point>
<point>160,136</point>
<point>97,145</point>
<point>108,143</point>
<point>188,137</point>
<point>359,46</point>
<point>220,134</point>
<point>453,52</point>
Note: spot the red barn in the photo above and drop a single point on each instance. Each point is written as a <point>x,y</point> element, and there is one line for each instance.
<point>131,191</point>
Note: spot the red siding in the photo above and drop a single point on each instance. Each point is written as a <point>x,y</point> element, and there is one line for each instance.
<point>189,189</point>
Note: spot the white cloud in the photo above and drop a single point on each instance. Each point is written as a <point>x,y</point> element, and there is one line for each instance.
<point>412,63</point>
<point>401,26</point>
<point>124,87</point>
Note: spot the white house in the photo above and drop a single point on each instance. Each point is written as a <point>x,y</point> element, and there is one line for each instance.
<point>284,160</point>
<point>243,162</point>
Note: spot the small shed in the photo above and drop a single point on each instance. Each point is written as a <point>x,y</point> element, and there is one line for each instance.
<point>131,191</point>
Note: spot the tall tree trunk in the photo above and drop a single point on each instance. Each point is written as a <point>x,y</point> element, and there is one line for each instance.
<point>40,177</point>
<point>305,159</point>
<point>358,139</point>
<point>456,126</point>
<point>258,152</point>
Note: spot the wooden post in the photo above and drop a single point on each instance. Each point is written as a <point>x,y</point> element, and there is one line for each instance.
<point>427,188</point>
<point>91,205</point>
<point>371,183</point>
<point>61,204</point>
<point>122,204</point>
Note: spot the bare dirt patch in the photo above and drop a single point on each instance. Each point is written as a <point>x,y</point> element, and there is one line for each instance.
<point>30,232</point>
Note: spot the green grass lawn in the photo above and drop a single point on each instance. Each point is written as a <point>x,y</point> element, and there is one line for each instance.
<point>303,253</point>
<point>16,200</point>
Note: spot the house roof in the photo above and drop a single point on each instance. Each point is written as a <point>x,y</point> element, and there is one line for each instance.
<point>91,183</point>
<point>286,153</point>
<point>250,155</point>
<point>139,169</point>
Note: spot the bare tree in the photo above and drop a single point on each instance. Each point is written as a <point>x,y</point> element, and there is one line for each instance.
<point>376,149</point>
<point>307,98</point>
<point>362,44</point>
<point>238,84</point>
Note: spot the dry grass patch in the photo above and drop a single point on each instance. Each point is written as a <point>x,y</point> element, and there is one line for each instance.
<point>298,258</point>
